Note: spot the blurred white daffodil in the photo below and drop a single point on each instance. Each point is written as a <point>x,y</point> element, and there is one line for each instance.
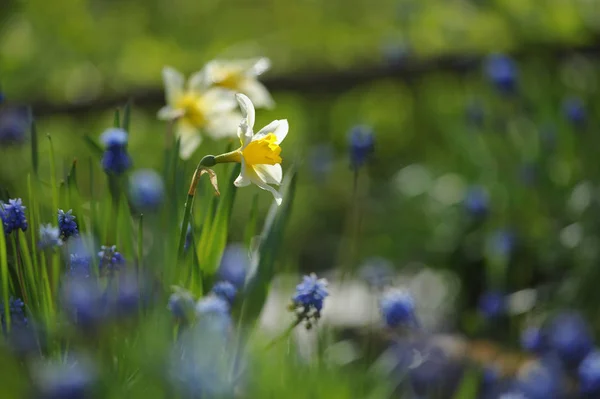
<point>259,153</point>
<point>197,107</point>
<point>241,77</point>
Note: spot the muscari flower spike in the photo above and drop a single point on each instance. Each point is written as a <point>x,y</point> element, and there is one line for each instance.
<point>533,339</point>
<point>115,159</point>
<point>73,379</point>
<point>362,145</point>
<point>502,72</point>
<point>213,312</point>
<point>13,215</point>
<point>259,153</point>
<point>397,308</point>
<point>234,265</point>
<point>14,125</point>
<point>197,107</point>
<point>477,201</point>
<point>67,224</point>
<point>110,259</point>
<point>241,76</point>
<point>181,304</point>
<point>146,189</point>
<point>574,111</point>
<point>18,318</point>
<point>588,374</point>
<point>492,304</point>
<point>307,302</point>
<point>570,337</point>
<point>225,290</point>
<point>49,237</point>
<point>80,265</point>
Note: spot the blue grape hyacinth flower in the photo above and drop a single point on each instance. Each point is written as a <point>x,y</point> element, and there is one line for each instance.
<point>477,201</point>
<point>492,304</point>
<point>146,189</point>
<point>502,72</point>
<point>49,237</point>
<point>66,224</point>
<point>534,340</point>
<point>110,259</point>
<point>84,302</point>
<point>115,159</point>
<point>80,265</point>
<point>589,374</point>
<point>213,312</point>
<point>234,265</point>
<point>18,317</point>
<point>397,308</point>
<point>307,302</point>
<point>541,380</point>
<point>574,111</point>
<point>569,336</point>
<point>13,216</point>
<point>14,126</point>
<point>71,379</point>
<point>362,145</point>
<point>225,290</point>
<point>181,304</point>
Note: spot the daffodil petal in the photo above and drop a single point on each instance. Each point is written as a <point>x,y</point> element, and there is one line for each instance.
<point>254,178</point>
<point>199,81</point>
<point>261,65</point>
<point>247,109</point>
<point>278,127</point>
<point>223,125</point>
<point>169,113</point>
<point>173,81</point>
<point>242,180</point>
<point>189,138</point>
<point>217,100</point>
<point>270,174</point>
<point>258,93</point>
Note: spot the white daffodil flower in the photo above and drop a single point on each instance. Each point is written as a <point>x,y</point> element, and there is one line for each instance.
<point>259,153</point>
<point>241,77</point>
<point>197,107</point>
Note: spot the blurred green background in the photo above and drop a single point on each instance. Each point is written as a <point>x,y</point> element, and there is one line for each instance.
<point>440,127</point>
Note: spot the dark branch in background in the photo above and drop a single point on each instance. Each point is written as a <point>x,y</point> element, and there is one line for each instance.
<point>326,82</point>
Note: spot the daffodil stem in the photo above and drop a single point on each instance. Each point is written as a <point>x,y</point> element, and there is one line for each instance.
<point>200,170</point>
<point>285,334</point>
<point>231,156</point>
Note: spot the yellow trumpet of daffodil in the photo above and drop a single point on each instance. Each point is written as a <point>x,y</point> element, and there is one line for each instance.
<point>259,153</point>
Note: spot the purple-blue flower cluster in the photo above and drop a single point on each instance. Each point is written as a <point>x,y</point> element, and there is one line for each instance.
<point>397,308</point>
<point>115,159</point>
<point>109,259</point>
<point>307,302</point>
<point>13,216</point>
<point>362,145</point>
<point>66,224</point>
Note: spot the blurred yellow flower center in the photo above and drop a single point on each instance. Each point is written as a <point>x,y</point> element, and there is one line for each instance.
<point>190,104</point>
<point>263,151</point>
<point>230,79</point>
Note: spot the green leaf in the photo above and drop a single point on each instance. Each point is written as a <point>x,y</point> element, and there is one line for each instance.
<point>34,146</point>
<point>5,277</point>
<point>117,119</point>
<point>469,385</point>
<point>94,146</point>
<point>217,239</point>
<point>252,224</point>
<point>257,285</point>
<point>126,116</point>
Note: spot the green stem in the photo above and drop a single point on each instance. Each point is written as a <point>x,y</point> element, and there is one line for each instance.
<point>285,334</point>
